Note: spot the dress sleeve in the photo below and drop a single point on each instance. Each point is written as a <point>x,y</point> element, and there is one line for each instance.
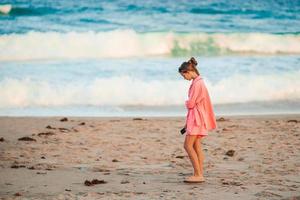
<point>196,92</point>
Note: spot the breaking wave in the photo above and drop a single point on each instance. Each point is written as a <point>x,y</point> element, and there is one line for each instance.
<point>129,43</point>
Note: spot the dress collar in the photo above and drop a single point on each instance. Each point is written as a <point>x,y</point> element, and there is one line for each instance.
<point>196,79</point>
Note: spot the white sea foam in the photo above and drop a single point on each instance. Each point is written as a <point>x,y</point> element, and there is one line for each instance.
<point>5,9</point>
<point>128,43</point>
<point>126,90</point>
<point>249,88</point>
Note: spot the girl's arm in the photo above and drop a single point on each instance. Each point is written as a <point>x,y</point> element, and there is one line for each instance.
<point>195,92</point>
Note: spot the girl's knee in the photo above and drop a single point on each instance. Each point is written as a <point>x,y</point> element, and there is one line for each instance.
<point>189,142</point>
<point>187,146</point>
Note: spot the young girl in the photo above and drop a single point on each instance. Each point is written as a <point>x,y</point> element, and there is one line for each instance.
<point>199,120</point>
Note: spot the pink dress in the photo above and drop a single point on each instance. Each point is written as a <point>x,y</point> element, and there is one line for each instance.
<point>200,116</point>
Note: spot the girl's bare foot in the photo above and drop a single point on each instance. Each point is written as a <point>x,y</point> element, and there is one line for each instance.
<point>194,179</point>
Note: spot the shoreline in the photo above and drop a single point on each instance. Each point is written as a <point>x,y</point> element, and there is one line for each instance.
<point>283,115</point>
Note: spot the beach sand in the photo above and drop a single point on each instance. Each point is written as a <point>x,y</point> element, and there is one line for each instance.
<point>246,157</point>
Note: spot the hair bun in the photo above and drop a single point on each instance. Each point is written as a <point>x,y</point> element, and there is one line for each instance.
<point>193,61</point>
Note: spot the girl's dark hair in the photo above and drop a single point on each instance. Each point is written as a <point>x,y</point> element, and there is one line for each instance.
<point>189,66</point>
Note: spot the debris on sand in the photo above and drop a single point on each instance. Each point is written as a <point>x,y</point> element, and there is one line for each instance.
<point>100,170</point>
<point>27,139</point>
<point>64,130</point>
<point>124,181</point>
<point>17,166</point>
<point>46,133</point>
<point>64,119</point>
<point>230,152</point>
<point>41,173</point>
<point>32,167</point>
<point>221,119</point>
<point>224,182</point>
<point>181,157</point>
<point>18,194</point>
<point>293,120</point>
<point>94,182</point>
<point>50,127</point>
<point>138,118</point>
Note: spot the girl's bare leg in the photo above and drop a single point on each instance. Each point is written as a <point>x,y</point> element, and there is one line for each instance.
<point>188,146</point>
<point>200,154</point>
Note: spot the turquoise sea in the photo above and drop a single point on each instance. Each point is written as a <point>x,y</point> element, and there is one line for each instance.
<point>120,58</point>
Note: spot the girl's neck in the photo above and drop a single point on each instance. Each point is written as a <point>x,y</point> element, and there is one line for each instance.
<point>195,76</point>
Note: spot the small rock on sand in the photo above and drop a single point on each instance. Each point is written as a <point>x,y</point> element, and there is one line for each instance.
<point>2,139</point>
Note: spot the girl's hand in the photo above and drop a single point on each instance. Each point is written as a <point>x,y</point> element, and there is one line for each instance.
<point>183,130</point>
<point>195,96</point>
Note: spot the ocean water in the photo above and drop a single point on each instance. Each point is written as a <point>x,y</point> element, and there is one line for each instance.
<point>120,58</point>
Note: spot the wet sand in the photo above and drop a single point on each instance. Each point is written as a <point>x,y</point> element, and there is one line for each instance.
<point>246,157</point>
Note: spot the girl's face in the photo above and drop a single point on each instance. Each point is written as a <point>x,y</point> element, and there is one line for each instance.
<point>187,75</point>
